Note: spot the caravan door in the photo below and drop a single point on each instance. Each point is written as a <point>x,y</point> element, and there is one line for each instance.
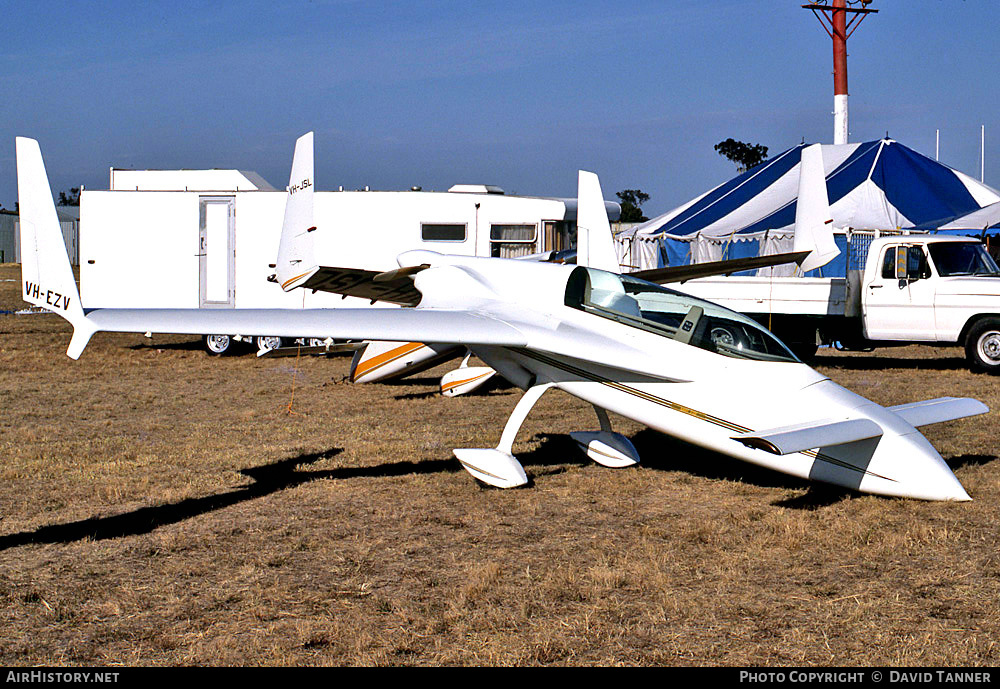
<point>217,251</point>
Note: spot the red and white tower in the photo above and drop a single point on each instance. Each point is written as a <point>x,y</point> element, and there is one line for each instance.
<point>833,15</point>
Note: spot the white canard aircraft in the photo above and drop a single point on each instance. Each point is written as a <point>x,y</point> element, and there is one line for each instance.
<point>680,365</point>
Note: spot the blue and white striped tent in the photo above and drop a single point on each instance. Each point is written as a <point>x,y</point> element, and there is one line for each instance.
<point>873,185</point>
<point>983,219</point>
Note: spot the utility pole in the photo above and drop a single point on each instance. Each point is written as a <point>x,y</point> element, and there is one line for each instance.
<point>833,15</point>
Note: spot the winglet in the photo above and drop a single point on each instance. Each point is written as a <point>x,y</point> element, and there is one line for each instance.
<point>46,275</point>
<point>813,224</point>
<point>595,246</point>
<point>296,262</point>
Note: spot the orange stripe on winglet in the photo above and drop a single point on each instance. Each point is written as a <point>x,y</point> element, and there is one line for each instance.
<point>291,280</point>
<point>376,362</point>
<point>445,388</point>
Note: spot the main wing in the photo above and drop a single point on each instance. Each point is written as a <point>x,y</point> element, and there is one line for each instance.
<point>49,283</point>
<point>426,325</point>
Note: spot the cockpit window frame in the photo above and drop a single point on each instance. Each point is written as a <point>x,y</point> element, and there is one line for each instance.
<point>699,316</point>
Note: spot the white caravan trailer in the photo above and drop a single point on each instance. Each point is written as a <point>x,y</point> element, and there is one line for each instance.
<point>208,238</point>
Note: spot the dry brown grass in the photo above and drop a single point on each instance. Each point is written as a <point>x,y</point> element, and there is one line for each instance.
<point>159,507</point>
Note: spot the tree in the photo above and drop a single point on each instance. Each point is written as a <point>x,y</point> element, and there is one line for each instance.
<point>72,199</point>
<point>744,155</point>
<point>631,203</point>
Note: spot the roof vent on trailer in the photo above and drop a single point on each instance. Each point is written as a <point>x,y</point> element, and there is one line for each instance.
<point>476,189</point>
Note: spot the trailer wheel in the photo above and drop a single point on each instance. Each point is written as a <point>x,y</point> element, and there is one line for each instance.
<point>218,345</point>
<point>982,346</point>
<point>266,343</point>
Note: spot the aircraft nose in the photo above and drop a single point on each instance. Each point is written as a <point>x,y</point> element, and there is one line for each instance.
<point>900,462</point>
<point>897,464</point>
<point>909,466</point>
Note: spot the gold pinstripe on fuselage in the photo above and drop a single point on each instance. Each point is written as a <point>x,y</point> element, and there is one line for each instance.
<point>675,406</point>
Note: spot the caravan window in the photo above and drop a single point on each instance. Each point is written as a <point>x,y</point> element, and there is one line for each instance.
<point>511,241</point>
<point>442,232</point>
<point>558,235</point>
<point>663,311</point>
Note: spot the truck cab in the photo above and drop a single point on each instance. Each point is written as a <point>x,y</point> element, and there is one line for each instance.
<point>934,289</point>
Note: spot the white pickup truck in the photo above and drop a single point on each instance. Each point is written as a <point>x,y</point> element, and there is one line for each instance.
<point>898,289</point>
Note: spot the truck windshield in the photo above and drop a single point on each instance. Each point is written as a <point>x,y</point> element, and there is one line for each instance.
<point>962,258</point>
<point>663,311</point>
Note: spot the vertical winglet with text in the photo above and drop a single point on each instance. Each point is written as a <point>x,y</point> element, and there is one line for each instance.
<point>296,263</point>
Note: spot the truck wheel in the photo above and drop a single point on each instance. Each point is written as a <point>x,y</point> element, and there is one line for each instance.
<point>982,346</point>
<point>266,343</point>
<point>218,345</point>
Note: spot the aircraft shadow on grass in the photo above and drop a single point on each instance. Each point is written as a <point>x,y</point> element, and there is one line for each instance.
<point>968,460</point>
<point>189,346</point>
<point>659,452</point>
<point>268,479</point>
<point>860,362</point>
<point>663,453</point>
<point>485,391</point>
<point>495,386</point>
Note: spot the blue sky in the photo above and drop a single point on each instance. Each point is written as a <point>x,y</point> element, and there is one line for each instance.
<point>519,94</point>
